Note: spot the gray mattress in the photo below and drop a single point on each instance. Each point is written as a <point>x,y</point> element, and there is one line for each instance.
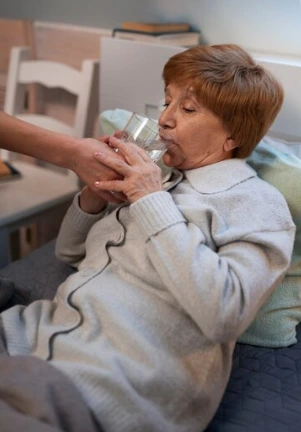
<point>264,391</point>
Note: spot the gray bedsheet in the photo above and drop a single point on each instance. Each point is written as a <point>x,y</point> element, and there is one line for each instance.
<point>264,391</point>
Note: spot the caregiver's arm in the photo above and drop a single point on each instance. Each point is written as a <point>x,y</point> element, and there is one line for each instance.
<point>61,150</point>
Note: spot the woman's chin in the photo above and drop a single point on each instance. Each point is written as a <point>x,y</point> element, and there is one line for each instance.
<point>166,160</point>
<point>171,160</point>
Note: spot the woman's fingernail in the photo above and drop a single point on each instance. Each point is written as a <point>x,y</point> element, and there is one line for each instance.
<point>98,154</point>
<point>96,183</point>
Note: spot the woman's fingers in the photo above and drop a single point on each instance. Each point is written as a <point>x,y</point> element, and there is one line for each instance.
<point>117,134</point>
<point>140,175</point>
<point>143,154</point>
<point>113,162</point>
<point>104,138</point>
<point>132,156</point>
<point>109,196</point>
<point>130,151</point>
<point>115,186</point>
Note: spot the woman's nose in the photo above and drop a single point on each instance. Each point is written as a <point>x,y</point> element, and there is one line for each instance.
<point>166,119</point>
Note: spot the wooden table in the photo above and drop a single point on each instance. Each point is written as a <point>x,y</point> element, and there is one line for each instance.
<point>23,200</point>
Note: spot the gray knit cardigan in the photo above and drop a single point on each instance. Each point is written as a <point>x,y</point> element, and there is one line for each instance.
<point>147,326</point>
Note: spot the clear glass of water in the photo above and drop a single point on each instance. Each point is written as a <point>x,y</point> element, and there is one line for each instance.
<point>147,134</point>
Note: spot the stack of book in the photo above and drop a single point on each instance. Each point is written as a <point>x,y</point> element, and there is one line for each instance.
<point>163,33</point>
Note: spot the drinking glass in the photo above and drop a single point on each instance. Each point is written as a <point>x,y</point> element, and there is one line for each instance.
<point>147,134</point>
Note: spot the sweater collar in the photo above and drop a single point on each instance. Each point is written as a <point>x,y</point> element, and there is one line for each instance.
<point>219,176</point>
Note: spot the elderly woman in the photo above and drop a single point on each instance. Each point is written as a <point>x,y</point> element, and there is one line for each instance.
<point>170,278</point>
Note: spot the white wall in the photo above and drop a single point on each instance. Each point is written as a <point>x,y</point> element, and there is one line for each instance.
<point>258,25</point>
<point>95,13</point>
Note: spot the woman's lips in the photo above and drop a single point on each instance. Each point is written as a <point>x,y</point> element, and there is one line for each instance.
<point>167,140</point>
<point>170,145</point>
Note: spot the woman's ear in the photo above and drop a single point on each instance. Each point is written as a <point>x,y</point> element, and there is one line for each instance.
<point>229,144</point>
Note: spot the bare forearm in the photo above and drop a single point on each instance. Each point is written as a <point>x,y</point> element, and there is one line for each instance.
<point>22,137</point>
<point>76,154</point>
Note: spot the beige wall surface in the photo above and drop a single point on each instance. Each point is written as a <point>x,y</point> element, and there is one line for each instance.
<point>259,25</point>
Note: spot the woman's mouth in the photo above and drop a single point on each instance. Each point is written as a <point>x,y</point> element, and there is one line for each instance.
<point>167,140</point>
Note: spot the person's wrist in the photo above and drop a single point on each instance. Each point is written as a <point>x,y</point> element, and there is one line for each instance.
<point>91,203</point>
<point>74,157</point>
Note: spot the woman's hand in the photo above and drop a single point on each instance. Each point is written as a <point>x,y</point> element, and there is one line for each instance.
<point>93,202</point>
<point>140,176</point>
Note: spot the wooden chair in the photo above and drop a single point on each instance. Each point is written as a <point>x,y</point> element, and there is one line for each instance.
<point>82,83</point>
<point>40,189</point>
<point>13,32</point>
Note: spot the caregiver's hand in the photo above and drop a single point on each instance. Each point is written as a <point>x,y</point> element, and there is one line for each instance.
<point>84,164</point>
<point>141,176</point>
<point>90,169</point>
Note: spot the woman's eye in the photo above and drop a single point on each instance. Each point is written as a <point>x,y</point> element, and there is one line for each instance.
<point>165,105</point>
<point>189,110</point>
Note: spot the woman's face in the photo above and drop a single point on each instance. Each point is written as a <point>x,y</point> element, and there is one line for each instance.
<point>198,136</point>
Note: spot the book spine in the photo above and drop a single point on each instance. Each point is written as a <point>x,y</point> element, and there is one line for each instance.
<point>155,28</point>
<point>135,37</point>
<point>185,39</point>
<point>118,29</point>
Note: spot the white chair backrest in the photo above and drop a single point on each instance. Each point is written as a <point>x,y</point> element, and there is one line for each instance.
<point>24,71</point>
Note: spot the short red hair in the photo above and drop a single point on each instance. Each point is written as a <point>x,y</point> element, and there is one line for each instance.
<point>227,81</point>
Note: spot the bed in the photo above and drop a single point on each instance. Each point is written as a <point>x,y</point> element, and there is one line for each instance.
<point>264,390</point>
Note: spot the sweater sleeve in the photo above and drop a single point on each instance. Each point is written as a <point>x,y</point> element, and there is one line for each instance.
<point>220,289</point>
<point>70,243</point>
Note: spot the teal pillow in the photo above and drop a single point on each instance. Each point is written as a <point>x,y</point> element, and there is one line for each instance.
<point>111,120</point>
<point>276,321</point>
